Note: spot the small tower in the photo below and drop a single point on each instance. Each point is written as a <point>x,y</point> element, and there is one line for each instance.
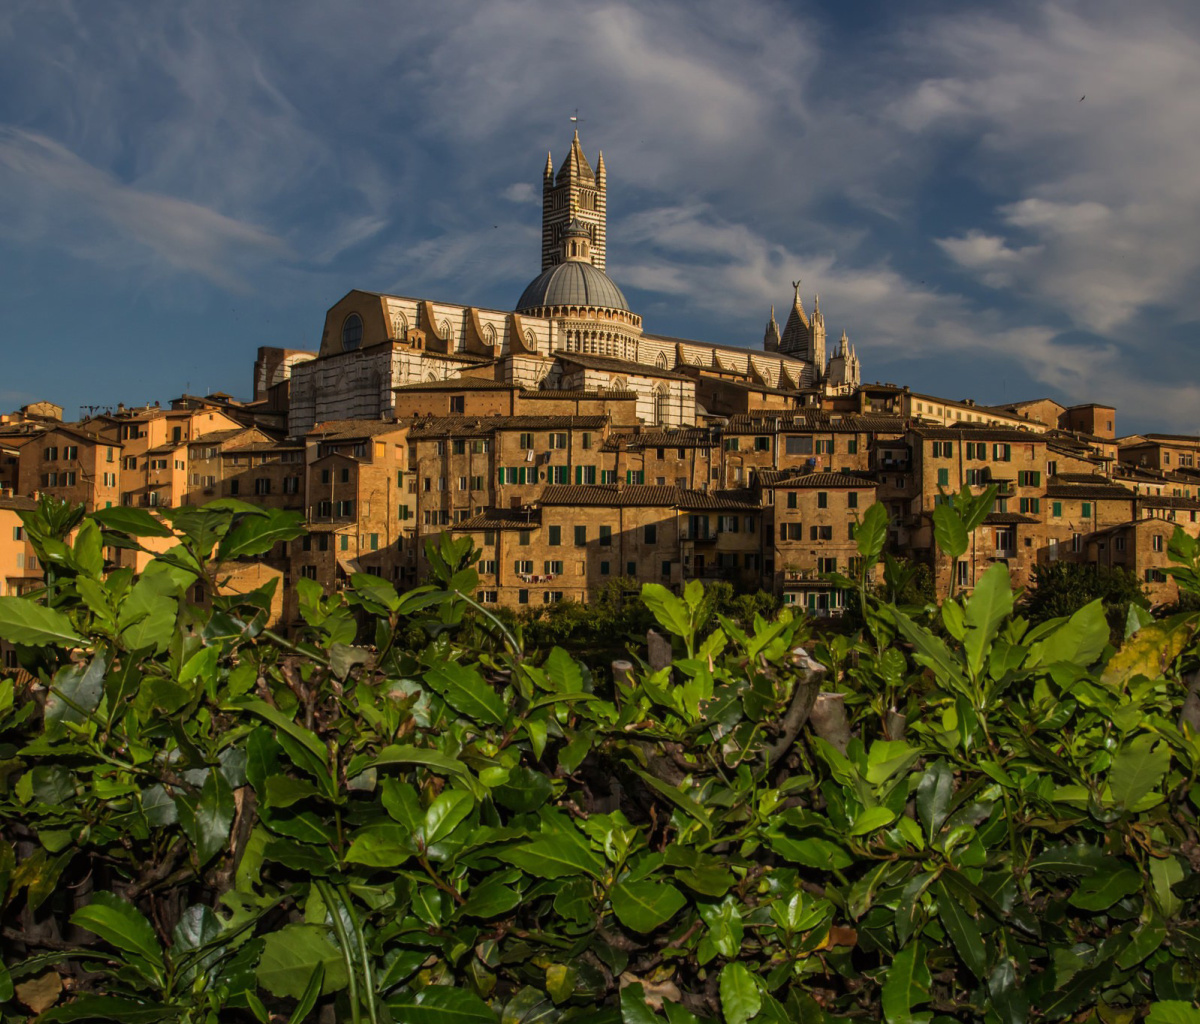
<point>771,335</point>
<point>795,332</point>
<point>816,338</point>
<point>575,193</point>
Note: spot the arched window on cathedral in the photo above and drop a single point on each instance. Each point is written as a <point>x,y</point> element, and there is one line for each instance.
<point>662,400</point>
<point>661,361</point>
<point>352,332</point>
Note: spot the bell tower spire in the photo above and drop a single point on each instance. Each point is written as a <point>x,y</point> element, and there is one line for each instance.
<point>576,194</point>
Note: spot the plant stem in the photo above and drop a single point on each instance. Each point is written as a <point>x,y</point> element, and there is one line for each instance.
<point>368,974</point>
<point>339,927</point>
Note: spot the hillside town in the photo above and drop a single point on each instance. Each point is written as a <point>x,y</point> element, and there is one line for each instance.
<point>576,448</point>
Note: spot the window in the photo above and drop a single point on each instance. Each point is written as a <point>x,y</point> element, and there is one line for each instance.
<point>1086,510</point>
<point>1077,542</point>
<point>233,487</point>
<point>325,477</point>
<point>523,566</point>
<point>524,536</point>
<point>480,447</point>
<point>820,532</point>
<point>477,483</point>
<point>943,449</point>
<point>441,483</point>
<point>1002,452</point>
<point>585,474</point>
<point>822,499</point>
<point>69,478</point>
<point>650,533</point>
<point>635,476</point>
<point>345,508</point>
<point>1118,543</point>
<point>798,445</point>
<point>609,476</point>
<point>462,483</point>
<point>631,568</point>
<point>558,441</point>
<point>791,499</point>
<point>964,572</point>
<point>344,542</point>
<point>606,536</point>
<point>1056,509</point>
<point>50,454</point>
<point>558,474</point>
<point>1155,576</point>
<point>852,499</point>
<point>309,572</point>
<point>824,447</point>
<point>553,567</point>
<point>522,597</point>
<point>403,513</point>
<point>525,441</point>
<point>762,444</point>
<point>291,485</point>
<point>731,444</point>
<point>1156,542</point>
<point>18,533</point>
<point>555,533</point>
<point>487,597</point>
<point>727,524</point>
<point>458,447</point>
<point>551,596</point>
<point>108,455</point>
<point>440,448</point>
<point>71,452</point>
<point>262,485</point>
<point>488,567</point>
<point>852,446</point>
<point>458,404</point>
<point>373,541</point>
<point>826,565</point>
<point>352,332</point>
<point>943,477</point>
<point>791,531</point>
<point>1031,505</point>
<point>580,536</point>
<point>360,450</point>
<point>585,440</point>
<point>489,538</point>
<point>976,477</point>
<point>604,568</point>
<point>1029,478</point>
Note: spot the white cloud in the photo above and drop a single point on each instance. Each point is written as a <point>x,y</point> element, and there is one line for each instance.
<point>49,194</point>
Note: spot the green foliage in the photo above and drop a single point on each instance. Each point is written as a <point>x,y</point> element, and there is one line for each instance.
<point>1062,588</point>
<point>447,825</point>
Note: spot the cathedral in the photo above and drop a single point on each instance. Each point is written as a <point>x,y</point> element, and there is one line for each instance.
<point>571,329</point>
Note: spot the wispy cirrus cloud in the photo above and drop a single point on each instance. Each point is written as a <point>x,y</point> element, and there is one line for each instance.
<point>50,193</point>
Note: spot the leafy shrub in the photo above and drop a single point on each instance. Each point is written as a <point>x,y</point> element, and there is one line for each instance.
<point>205,821</point>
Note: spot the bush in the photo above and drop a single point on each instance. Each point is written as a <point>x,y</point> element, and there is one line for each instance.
<point>205,821</point>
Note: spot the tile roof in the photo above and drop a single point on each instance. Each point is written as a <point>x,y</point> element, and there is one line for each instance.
<point>787,478</point>
<point>688,437</point>
<point>736,500</point>
<point>614,365</point>
<point>485,426</point>
<point>1007,518</point>
<point>1096,491</point>
<point>609,495</point>
<point>1166,501</point>
<point>978,431</point>
<point>732,349</point>
<point>501,519</point>
<point>1081,478</point>
<point>814,420</point>
<point>219,436</point>
<point>350,430</point>
<point>166,449</point>
<point>16,501</point>
<point>464,357</point>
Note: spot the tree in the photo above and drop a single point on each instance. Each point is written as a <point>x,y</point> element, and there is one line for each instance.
<point>1062,588</point>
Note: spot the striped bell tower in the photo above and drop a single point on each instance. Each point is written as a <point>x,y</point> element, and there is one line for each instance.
<point>575,193</point>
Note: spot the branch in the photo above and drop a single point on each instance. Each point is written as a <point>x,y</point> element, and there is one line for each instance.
<point>829,720</point>
<point>1190,712</point>
<point>804,695</point>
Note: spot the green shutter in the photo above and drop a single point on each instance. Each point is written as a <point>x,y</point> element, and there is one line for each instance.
<point>943,477</point>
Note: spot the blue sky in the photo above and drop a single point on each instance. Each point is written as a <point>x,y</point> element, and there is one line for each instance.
<point>999,202</point>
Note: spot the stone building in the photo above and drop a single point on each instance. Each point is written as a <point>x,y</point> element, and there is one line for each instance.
<point>571,328</point>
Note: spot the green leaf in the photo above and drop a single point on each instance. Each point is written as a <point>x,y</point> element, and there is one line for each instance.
<point>257,534</point>
<point>401,754</point>
<point>872,534</point>
<point>465,690</point>
<point>990,604</point>
<point>136,522</point>
<point>671,612</point>
<point>23,621</point>
<point>963,931</point>
<point>446,813</point>
<point>1173,1011</point>
<point>291,955</point>
<point>1138,769</point>
<point>381,846</point>
<point>949,531</point>
<point>634,1009</point>
<point>1008,996</point>
<point>554,855</point>
<point>120,924</point>
<point>935,792</point>
<point>1080,640</point>
<point>1101,890</point>
<point>1148,937</point>
<point>906,985</point>
<point>109,1008</point>
<point>283,791</point>
<point>206,820</point>
<point>490,898</point>
<point>646,904</point>
<point>871,819</point>
<point>740,998</point>
<point>75,694</point>
<point>441,1004</point>
<point>146,617</point>
<point>6,984</point>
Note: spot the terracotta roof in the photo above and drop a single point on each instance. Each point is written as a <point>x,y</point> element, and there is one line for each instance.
<point>166,449</point>
<point>732,349</point>
<point>486,426</point>
<point>803,421</point>
<point>978,432</point>
<point>1166,501</point>
<point>738,500</point>
<point>1082,478</point>
<point>84,435</point>
<point>688,437</point>
<point>1006,518</point>
<point>219,436</point>
<point>501,519</point>
<point>614,365</point>
<point>1096,491</point>
<point>809,480</point>
<point>16,501</point>
<point>610,495</point>
<point>350,430</point>
<point>264,447</point>
<point>457,384</point>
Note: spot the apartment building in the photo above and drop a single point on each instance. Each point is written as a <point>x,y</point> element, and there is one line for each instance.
<point>73,465</point>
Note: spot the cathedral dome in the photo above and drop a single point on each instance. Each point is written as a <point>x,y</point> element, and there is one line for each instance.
<point>573,283</point>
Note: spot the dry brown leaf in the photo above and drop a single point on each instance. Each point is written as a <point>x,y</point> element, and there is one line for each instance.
<point>40,993</point>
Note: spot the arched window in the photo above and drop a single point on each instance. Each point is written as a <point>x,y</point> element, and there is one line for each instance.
<point>661,361</point>
<point>352,332</point>
<point>661,405</point>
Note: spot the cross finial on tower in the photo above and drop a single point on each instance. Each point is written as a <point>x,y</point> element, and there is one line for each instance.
<point>577,121</point>
<point>796,285</point>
